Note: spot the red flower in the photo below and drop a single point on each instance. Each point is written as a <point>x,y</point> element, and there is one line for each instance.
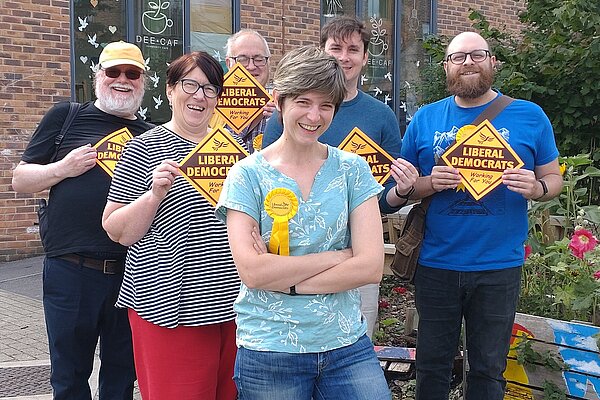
<point>527,251</point>
<point>399,290</point>
<point>384,303</point>
<point>582,241</point>
<point>597,275</point>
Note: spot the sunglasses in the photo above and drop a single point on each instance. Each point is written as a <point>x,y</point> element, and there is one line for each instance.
<point>131,74</point>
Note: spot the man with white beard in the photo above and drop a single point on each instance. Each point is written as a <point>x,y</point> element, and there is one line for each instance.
<point>83,268</point>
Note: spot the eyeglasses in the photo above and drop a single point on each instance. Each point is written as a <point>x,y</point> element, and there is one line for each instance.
<point>259,61</point>
<point>209,90</point>
<point>132,74</point>
<point>460,56</point>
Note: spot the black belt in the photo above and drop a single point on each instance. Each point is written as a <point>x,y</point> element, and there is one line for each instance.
<point>109,267</point>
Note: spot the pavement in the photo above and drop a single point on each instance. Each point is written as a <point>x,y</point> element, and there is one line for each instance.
<point>24,357</point>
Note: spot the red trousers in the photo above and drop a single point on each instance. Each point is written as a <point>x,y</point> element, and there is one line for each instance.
<point>185,363</point>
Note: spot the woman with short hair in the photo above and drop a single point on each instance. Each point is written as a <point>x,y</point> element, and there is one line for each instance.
<point>300,330</point>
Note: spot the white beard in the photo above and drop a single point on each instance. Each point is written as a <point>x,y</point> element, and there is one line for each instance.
<point>119,103</point>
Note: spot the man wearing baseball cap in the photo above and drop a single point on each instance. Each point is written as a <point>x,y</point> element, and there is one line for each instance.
<point>83,268</point>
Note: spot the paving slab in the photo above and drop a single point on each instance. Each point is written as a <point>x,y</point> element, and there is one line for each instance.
<point>24,356</point>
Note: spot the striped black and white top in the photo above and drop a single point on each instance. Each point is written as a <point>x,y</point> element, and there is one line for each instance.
<point>181,272</point>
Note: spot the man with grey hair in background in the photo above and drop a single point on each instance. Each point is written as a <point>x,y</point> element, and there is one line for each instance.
<point>251,50</point>
<point>83,268</point>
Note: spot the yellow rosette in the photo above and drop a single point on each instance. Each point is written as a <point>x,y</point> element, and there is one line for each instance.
<point>281,205</point>
<point>460,136</point>
<point>257,142</point>
<point>464,132</point>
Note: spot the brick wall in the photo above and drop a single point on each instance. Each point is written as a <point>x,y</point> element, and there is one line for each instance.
<point>285,25</point>
<point>34,74</point>
<point>453,15</point>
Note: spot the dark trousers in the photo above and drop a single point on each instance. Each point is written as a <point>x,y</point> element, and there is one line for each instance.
<point>487,300</point>
<point>79,309</point>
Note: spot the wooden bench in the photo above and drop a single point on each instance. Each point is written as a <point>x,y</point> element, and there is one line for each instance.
<point>574,344</point>
<point>392,225</point>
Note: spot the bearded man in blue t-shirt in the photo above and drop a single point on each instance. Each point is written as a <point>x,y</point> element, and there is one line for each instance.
<point>472,251</point>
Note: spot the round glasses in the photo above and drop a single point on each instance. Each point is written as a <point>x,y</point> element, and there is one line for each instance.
<point>460,56</point>
<point>259,61</point>
<point>131,74</point>
<point>209,90</point>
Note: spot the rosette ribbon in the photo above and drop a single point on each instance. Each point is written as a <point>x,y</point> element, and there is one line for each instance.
<point>281,205</point>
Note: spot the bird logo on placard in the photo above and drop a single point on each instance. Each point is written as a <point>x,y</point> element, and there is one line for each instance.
<point>357,146</point>
<point>238,79</point>
<point>484,138</point>
<point>217,145</point>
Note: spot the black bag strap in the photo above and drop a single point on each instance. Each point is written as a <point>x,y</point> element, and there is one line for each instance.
<point>493,109</point>
<point>73,110</point>
<point>489,113</point>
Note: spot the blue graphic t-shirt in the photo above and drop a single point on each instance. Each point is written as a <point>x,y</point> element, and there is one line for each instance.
<point>461,233</point>
<point>272,321</point>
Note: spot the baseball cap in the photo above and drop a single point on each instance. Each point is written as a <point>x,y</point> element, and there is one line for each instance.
<point>121,53</point>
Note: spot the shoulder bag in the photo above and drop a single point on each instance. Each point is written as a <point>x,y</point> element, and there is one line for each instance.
<point>42,211</point>
<point>408,246</point>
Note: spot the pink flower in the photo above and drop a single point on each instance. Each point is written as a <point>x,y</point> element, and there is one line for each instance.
<point>384,303</point>
<point>527,251</point>
<point>597,275</point>
<point>399,290</point>
<point>582,241</point>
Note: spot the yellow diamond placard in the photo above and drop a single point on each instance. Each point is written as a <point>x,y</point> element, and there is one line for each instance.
<point>481,157</point>
<point>378,159</point>
<point>206,166</point>
<point>242,99</point>
<point>110,148</point>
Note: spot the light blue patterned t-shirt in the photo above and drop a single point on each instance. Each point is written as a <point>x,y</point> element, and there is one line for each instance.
<point>273,321</point>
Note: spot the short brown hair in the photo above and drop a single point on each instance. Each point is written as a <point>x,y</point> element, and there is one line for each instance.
<point>307,69</point>
<point>341,28</point>
<point>182,66</point>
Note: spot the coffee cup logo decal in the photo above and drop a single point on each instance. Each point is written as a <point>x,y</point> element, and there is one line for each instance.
<point>154,21</point>
<point>378,46</point>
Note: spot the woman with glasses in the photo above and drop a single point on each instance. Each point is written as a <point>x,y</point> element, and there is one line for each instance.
<point>180,280</point>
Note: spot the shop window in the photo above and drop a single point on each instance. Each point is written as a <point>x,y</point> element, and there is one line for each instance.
<point>378,75</point>
<point>158,31</point>
<point>334,8</point>
<point>414,27</point>
<point>95,23</point>
<point>210,25</point>
<point>158,28</point>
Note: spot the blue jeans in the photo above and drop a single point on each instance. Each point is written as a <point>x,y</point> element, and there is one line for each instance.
<point>351,372</point>
<point>79,304</point>
<point>487,300</point>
